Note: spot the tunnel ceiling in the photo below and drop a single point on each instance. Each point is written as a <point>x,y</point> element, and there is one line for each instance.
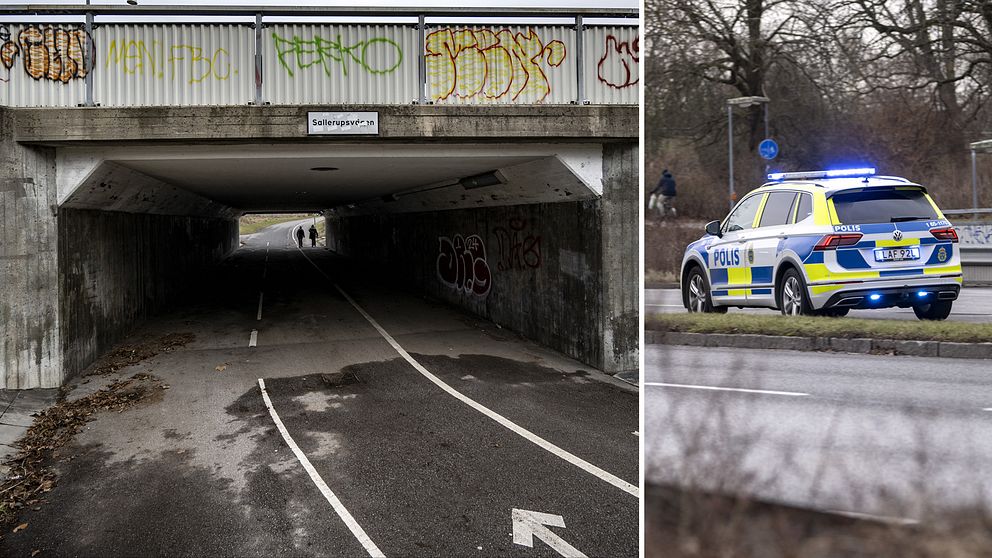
<point>282,177</point>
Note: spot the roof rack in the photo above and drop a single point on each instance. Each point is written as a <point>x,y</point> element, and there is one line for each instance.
<point>834,173</point>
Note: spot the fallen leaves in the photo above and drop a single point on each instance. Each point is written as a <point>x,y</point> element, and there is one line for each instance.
<point>30,473</point>
<point>128,355</point>
<point>21,527</point>
<point>220,367</point>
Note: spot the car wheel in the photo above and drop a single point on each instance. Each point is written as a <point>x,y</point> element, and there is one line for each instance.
<point>696,293</point>
<point>793,298</point>
<point>939,310</point>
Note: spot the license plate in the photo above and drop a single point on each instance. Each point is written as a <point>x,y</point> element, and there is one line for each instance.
<point>897,254</point>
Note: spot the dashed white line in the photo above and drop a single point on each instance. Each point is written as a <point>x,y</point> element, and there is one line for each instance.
<point>507,423</point>
<point>254,338</point>
<point>987,409</point>
<point>718,388</point>
<point>259,315</point>
<point>342,512</point>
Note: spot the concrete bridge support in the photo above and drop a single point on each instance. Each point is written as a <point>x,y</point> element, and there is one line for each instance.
<point>109,214</point>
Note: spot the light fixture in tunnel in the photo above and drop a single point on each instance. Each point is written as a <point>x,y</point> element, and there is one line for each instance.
<point>323,169</point>
<point>481,180</point>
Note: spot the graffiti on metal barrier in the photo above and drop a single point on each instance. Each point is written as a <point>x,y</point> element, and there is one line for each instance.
<point>462,265</point>
<point>518,248</point>
<point>618,67</point>
<point>46,52</point>
<point>378,55</point>
<point>975,235</point>
<point>186,62</point>
<point>490,65</point>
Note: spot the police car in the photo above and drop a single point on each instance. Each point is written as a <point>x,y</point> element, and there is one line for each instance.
<point>824,242</point>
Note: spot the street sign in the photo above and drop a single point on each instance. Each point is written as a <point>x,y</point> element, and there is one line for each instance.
<point>342,123</point>
<point>768,149</point>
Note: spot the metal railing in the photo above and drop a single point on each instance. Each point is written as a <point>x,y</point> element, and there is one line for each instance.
<point>220,55</point>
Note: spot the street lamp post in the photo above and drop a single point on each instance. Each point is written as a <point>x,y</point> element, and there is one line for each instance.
<point>984,146</point>
<point>731,103</point>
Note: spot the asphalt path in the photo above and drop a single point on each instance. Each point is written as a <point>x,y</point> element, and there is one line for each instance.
<point>973,305</point>
<point>890,436</point>
<point>386,459</point>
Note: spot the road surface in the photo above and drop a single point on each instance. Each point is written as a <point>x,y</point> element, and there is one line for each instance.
<point>974,305</point>
<point>885,435</point>
<point>437,434</point>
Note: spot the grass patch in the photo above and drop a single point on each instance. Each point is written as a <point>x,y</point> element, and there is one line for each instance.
<point>250,224</point>
<point>807,326</point>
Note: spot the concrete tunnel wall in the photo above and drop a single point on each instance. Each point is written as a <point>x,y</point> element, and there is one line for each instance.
<point>562,274</point>
<point>117,268</point>
<point>74,282</point>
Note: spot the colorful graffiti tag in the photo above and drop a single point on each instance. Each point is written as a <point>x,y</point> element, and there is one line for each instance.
<point>378,55</point>
<point>48,53</point>
<point>487,65</point>
<point>618,67</point>
<point>190,63</point>
<point>517,247</point>
<point>462,265</point>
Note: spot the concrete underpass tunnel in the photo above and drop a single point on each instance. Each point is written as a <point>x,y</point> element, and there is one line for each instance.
<point>539,237</point>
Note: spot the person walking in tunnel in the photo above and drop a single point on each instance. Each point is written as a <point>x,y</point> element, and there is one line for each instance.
<point>299,236</point>
<point>313,235</point>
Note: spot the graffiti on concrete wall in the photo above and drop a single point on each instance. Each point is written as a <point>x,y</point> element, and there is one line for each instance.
<point>379,55</point>
<point>518,247</point>
<point>618,67</point>
<point>190,63</point>
<point>487,65</point>
<point>462,265</point>
<point>47,53</point>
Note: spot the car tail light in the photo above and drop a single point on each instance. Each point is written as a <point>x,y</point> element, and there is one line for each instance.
<point>945,233</point>
<point>832,241</point>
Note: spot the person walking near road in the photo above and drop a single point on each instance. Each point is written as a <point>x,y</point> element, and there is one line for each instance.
<point>299,236</point>
<point>663,195</point>
<point>313,235</point>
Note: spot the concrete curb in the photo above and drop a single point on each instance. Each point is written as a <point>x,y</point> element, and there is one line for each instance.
<point>836,344</point>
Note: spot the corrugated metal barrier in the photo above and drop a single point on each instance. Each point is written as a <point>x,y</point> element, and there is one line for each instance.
<point>151,64</point>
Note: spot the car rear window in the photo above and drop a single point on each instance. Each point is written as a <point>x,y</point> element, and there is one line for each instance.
<point>883,205</point>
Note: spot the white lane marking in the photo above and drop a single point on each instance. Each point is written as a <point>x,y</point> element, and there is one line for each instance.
<point>740,390</point>
<point>987,409</point>
<point>259,315</point>
<point>888,519</point>
<point>666,305</point>
<point>266,244</point>
<point>521,431</point>
<point>254,338</point>
<point>342,512</point>
<point>529,524</point>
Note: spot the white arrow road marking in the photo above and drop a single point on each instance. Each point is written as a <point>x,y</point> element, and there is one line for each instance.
<point>253,340</point>
<point>512,426</point>
<point>343,512</point>
<point>529,524</point>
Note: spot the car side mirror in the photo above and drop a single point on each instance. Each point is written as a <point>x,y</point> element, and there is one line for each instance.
<point>713,228</point>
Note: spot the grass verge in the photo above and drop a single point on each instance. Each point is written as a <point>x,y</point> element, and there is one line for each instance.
<point>250,224</point>
<point>805,326</point>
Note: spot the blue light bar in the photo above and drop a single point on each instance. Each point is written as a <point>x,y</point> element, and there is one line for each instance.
<point>834,173</point>
<point>874,297</point>
<point>922,294</point>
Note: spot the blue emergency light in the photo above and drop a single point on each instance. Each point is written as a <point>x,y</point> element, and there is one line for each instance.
<point>874,297</point>
<point>833,173</point>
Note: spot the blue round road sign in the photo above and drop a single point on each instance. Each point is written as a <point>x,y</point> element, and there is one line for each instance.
<point>768,149</point>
